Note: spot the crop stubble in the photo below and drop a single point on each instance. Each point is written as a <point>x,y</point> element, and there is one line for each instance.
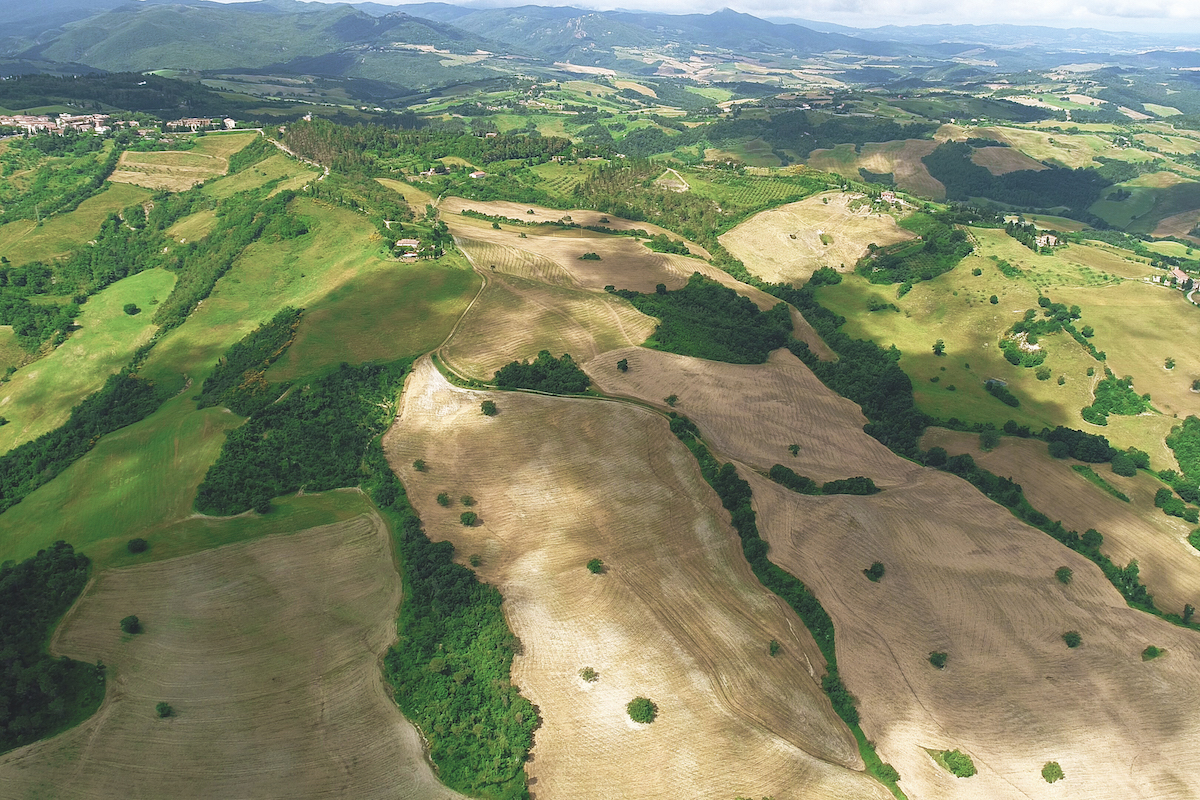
<point>676,617</point>
<point>269,653</point>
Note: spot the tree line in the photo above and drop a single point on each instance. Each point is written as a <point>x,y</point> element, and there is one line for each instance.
<point>40,694</point>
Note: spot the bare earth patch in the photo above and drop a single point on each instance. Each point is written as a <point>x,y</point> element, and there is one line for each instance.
<point>766,245</point>
<point>268,651</point>
<point>966,578</point>
<point>753,412</point>
<point>676,616</point>
<point>1170,568</point>
<point>452,207</point>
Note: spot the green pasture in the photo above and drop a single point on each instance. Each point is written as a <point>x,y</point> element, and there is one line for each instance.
<point>290,173</point>
<point>39,397</point>
<point>23,241</point>
<point>398,309</point>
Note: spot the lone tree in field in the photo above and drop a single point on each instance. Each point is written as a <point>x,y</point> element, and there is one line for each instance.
<point>938,659</point>
<point>1064,575</point>
<point>419,465</point>
<point>642,709</point>
<point>939,348</point>
<point>874,572</point>
<point>1151,652</point>
<point>1072,638</point>
<point>468,518</point>
<point>595,566</point>
<point>131,309</point>
<point>1052,772</point>
<point>773,647</point>
<point>959,763</point>
<point>131,624</point>
<point>443,499</point>
<point>590,675</point>
<point>467,500</point>
<point>488,407</point>
<point>623,365</point>
<point>164,710</point>
<point>794,449</point>
<point>136,546</point>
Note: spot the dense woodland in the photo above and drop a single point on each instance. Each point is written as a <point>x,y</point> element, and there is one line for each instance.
<point>313,438</point>
<point>940,248</point>
<point>707,320</point>
<point>544,374</point>
<point>239,380</point>
<point>40,694</point>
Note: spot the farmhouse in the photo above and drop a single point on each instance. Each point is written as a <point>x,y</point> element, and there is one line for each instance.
<point>1047,240</point>
<point>478,174</point>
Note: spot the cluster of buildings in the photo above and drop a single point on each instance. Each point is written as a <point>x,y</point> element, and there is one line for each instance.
<point>100,123</point>
<point>30,123</point>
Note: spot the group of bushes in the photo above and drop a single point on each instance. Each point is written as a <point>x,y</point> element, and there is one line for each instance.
<point>545,374</point>
<point>707,320</point>
<point>784,476</point>
<point>1115,395</point>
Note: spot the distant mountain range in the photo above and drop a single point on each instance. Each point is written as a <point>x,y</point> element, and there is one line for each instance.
<point>396,44</point>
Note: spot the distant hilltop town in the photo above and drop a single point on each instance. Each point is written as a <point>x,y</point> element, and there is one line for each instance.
<point>101,123</point>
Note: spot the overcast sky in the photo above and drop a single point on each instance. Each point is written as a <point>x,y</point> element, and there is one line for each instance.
<point>1166,16</point>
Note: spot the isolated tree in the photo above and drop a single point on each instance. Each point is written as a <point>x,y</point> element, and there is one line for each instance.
<point>590,675</point>
<point>1087,332</point>
<point>419,465</point>
<point>1151,652</point>
<point>1072,638</point>
<point>443,499</point>
<point>595,566</point>
<point>488,407</point>
<point>672,399</point>
<point>994,300</point>
<point>131,624</point>
<point>959,763</point>
<point>136,545</point>
<point>1064,575</point>
<point>468,518</point>
<point>163,709</point>
<point>131,309</point>
<point>467,500</point>
<point>774,647</point>
<point>1052,772</point>
<point>794,449</point>
<point>1169,363</point>
<point>642,709</point>
<point>875,572</point>
<point>623,365</point>
<point>939,348</point>
<point>938,659</point>
<point>988,440</point>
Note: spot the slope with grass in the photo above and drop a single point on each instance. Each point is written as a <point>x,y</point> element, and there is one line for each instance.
<point>24,240</point>
<point>1133,530</point>
<point>176,170</point>
<point>675,616</point>
<point>39,397</point>
<point>900,158</point>
<point>784,244</point>
<point>227,641</point>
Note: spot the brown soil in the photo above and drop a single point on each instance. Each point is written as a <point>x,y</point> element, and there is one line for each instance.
<point>268,651</point>
<point>676,617</point>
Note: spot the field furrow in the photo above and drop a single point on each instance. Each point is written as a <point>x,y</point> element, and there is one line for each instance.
<point>676,615</point>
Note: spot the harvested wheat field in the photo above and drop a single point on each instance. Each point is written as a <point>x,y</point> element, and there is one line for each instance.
<point>966,578</point>
<point>1170,568</point>
<point>169,170</point>
<point>515,318</point>
<point>901,159</point>
<point>1002,160</point>
<point>676,617</point>
<point>553,257</point>
<point>452,207</point>
<point>268,652</point>
<point>752,412</point>
<point>784,244</point>
<point>1180,225</point>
